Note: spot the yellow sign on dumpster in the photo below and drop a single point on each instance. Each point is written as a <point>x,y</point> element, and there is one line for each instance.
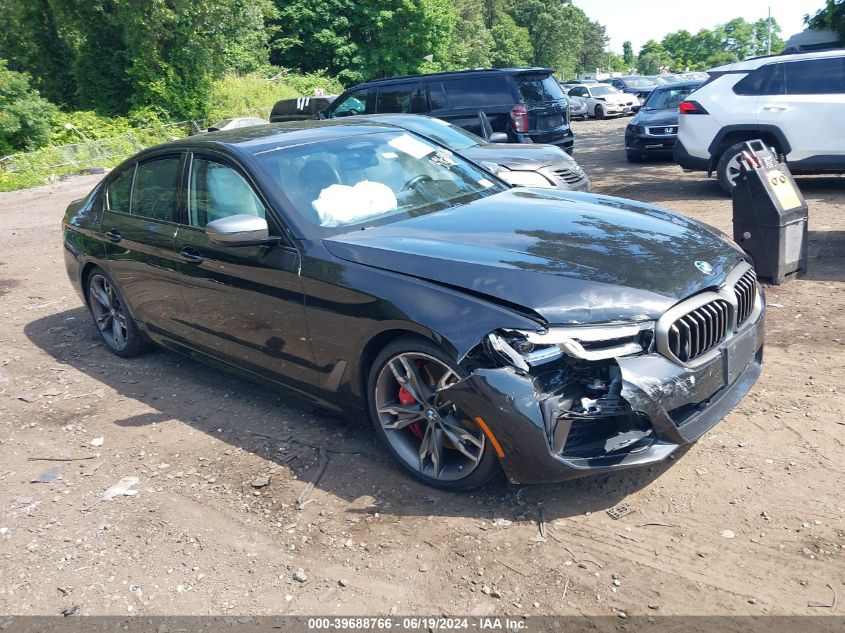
<point>784,190</point>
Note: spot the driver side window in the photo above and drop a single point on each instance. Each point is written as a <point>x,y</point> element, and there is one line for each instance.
<point>218,191</point>
<point>355,103</point>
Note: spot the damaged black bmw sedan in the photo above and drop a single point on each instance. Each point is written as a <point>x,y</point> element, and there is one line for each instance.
<point>547,333</point>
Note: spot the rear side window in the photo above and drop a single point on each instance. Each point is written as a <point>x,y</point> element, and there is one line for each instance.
<point>154,195</point>
<point>407,98</point>
<point>437,96</point>
<point>120,191</point>
<point>477,92</point>
<point>766,80</point>
<point>815,76</point>
<point>539,88</point>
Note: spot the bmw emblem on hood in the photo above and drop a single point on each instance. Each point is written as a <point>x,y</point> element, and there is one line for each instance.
<point>705,267</point>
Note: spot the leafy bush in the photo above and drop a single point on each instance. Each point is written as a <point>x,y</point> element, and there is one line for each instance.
<point>25,116</point>
<point>255,94</point>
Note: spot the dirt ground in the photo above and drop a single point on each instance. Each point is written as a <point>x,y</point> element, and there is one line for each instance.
<point>750,520</point>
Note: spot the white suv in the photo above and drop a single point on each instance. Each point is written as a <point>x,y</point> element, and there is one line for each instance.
<point>795,103</point>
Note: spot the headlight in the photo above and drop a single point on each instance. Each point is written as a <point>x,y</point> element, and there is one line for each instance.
<point>587,342</point>
<point>524,179</point>
<point>635,129</point>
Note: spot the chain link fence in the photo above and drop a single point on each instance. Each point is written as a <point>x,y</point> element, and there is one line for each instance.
<point>29,169</point>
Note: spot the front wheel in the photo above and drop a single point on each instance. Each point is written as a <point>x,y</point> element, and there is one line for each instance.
<point>599,112</point>
<point>634,156</point>
<point>434,440</point>
<point>116,326</point>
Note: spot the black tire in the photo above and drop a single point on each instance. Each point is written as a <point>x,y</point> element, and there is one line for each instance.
<point>114,323</point>
<point>727,169</point>
<point>599,112</point>
<point>487,465</point>
<point>634,157</point>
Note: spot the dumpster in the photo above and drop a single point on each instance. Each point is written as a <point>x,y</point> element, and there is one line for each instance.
<point>769,215</point>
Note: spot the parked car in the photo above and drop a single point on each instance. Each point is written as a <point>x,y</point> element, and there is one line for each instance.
<point>578,108</point>
<point>300,108</point>
<point>604,100</point>
<point>636,85</point>
<point>367,269</point>
<point>527,104</point>
<point>231,124</point>
<point>794,103</point>
<point>654,128</point>
<point>518,164</point>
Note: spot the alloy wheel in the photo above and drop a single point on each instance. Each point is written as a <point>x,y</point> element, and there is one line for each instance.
<point>732,169</point>
<point>428,432</point>
<point>109,314</point>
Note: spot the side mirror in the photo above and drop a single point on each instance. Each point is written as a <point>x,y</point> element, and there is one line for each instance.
<point>321,115</point>
<point>238,230</point>
<point>498,137</point>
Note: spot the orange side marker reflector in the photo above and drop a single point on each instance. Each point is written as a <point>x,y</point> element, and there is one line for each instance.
<point>490,437</point>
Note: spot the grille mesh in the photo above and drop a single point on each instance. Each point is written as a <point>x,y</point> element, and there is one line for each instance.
<point>744,290</point>
<point>700,330</point>
<point>569,175</point>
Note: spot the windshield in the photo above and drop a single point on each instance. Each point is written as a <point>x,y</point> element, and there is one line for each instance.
<point>452,136</point>
<point>539,88</point>
<point>366,178</point>
<point>667,98</point>
<point>641,82</point>
<point>598,91</point>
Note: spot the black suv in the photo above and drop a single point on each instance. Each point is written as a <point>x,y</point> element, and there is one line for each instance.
<point>527,104</point>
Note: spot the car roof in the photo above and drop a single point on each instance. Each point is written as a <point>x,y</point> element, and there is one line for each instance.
<point>755,62</point>
<point>455,73</point>
<point>692,83</point>
<point>258,138</point>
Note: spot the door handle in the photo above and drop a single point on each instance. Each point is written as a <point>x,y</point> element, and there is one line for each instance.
<point>113,235</point>
<point>191,254</point>
<point>774,108</point>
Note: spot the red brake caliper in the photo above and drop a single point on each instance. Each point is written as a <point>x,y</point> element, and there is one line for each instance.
<point>406,398</point>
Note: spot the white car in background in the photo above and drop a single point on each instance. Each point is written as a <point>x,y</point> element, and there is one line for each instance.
<point>794,103</point>
<point>604,100</point>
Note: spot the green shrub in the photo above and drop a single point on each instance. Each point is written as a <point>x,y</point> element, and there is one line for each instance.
<point>254,94</point>
<point>25,116</point>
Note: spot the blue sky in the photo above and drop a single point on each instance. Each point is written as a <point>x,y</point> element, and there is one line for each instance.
<point>642,20</point>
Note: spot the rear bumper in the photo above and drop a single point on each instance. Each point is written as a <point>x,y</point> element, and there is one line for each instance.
<point>687,160</point>
<point>669,406</point>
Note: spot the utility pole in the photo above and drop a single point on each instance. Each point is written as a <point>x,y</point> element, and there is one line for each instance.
<point>769,36</point>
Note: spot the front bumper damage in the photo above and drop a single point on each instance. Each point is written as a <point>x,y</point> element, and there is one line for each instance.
<point>652,408</point>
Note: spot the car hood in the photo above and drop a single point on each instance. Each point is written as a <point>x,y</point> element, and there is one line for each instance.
<point>517,155</point>
<point>656,117</point>
<point>564,257</point>
<point>618,97</point>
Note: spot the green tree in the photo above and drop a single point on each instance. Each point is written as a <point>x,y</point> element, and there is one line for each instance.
<point>737,37</point>
<point>34,40</point>
<point>471,43</point>
<point>25,116</point>
<point>832,16</point>
<point>362,40</point>
<point>628,53</point>
<point>760,38</point>
<point>593,43</point>
<point>511,43</point>
<point>652,58</point>
<point>678,46</point>
<point>555,28</point>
